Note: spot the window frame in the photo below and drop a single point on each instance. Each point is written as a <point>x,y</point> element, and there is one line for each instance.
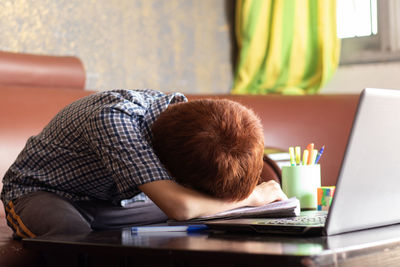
<point>381,47</point>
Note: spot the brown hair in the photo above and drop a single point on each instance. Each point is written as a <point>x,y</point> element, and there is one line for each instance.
<point>213,146</point>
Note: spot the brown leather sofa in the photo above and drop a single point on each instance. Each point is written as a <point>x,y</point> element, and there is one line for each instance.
<point>34,88</point>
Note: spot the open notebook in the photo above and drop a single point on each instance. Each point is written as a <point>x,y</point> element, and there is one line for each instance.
<point>284,208</point>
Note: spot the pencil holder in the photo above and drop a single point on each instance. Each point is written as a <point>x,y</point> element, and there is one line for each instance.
<point>302,182</point>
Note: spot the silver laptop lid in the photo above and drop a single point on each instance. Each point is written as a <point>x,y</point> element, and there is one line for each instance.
<point>368,186</point>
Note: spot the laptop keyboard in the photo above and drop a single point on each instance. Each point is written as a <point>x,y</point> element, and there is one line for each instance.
<point>300,220</point>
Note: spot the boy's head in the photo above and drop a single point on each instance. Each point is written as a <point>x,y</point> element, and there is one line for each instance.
<point>213,146</point>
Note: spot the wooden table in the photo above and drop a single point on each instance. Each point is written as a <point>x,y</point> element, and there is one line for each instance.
<point>375,247</point>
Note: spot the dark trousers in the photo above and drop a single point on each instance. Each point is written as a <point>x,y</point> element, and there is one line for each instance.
<point>44,213</point>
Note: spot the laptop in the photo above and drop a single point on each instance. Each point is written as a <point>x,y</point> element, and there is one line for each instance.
<point>367,192</point>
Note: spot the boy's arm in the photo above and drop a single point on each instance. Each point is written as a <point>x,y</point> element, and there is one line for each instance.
<point>181,203</point>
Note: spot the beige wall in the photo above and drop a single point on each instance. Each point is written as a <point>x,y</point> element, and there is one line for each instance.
<point>351,79</point>
<point>180,45</point>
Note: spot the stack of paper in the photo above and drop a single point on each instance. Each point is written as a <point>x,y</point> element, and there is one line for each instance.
<point>284,208</point>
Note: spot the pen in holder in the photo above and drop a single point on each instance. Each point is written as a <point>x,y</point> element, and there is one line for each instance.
<point>302,182</point>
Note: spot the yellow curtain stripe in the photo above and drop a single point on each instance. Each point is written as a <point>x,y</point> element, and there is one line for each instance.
<point>239,22</point>
<point>328,41</point>
<point>322,38</point>
<point>274,57</point>
<point>254,42</point>
<point>257,44</point>
<point>297,61</point>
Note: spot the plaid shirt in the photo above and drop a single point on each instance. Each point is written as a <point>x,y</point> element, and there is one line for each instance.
<point>98,147</point>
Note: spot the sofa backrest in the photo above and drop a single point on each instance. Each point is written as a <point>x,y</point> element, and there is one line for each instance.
<point>33,88</point>
<point>287,121</point>
<point>299,120</point>
<point>17,69</point>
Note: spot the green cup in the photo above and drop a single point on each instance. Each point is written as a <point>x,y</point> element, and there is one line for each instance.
<point>302,182</point>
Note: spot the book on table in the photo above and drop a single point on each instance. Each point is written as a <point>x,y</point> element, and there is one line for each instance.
<point>280,156</point>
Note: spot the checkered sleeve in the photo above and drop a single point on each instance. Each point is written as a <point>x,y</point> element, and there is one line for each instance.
<point>117,138</point>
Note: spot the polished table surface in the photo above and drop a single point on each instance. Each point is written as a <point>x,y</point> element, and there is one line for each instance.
<point>374,247</point>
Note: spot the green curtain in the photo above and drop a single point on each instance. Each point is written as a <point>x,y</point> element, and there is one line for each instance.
<point>285,46</point>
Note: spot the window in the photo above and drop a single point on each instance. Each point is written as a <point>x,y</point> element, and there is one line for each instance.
<point>356,18</point>
<point>370,30</point>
